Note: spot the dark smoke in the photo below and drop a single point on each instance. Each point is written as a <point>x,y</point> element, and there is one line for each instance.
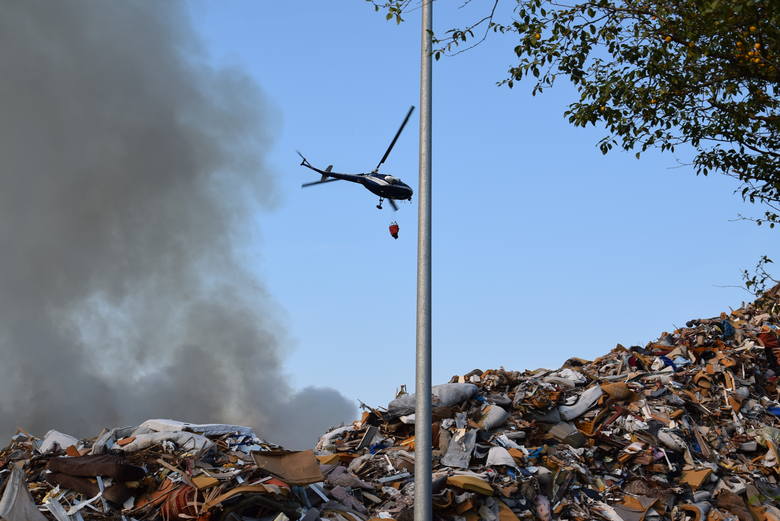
<point>129,169</point>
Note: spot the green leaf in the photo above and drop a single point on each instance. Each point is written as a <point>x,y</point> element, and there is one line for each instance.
<point>710,95</point>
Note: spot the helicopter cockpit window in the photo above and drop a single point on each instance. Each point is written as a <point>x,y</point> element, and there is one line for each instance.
<point>392,180</point>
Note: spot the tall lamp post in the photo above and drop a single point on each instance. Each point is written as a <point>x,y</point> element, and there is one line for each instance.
<point>423,510</point>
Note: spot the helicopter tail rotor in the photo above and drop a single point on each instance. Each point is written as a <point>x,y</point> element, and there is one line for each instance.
<point>324,179</point>
<point>304,161</point>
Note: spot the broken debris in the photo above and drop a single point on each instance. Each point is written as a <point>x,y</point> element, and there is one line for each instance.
<point>685,428</point>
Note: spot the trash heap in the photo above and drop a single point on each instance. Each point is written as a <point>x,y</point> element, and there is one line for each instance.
<point>683,428</point>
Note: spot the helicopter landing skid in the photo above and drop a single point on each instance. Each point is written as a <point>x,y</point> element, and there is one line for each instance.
<point>379,206</point>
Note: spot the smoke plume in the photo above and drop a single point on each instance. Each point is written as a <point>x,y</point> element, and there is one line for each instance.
<point>129,167</point>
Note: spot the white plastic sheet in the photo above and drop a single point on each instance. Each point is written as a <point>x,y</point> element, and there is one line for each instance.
<point>106,440</point>
<point>500,456</point>
<point>460,449</point>
<point>493,416</point>
<point>184,440</point>
<point>55,439</point>
<point>17,504</point>
<point>586,400</point>
<point>209,429</point>
<point>327,439</point>
<point>442,395</point>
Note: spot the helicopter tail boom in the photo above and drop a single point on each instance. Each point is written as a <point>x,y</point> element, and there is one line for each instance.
<point>328,180</point>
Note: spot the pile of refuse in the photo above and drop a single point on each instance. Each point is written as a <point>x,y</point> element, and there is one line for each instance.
<point>685,428</point>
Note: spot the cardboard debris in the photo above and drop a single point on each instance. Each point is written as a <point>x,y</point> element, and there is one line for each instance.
<point>295,468</point>
<point>695,478</point>
<point>471,483</point>
<point>684,428</point>
<point>202,482</point>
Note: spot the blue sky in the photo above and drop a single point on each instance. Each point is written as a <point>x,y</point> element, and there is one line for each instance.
<point>543,248</point>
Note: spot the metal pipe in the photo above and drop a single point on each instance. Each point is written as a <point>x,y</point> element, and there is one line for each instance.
<point>423,510</point>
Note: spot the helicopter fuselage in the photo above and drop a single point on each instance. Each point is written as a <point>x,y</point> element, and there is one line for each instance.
<point>386,186</point>
<point>383,185</point>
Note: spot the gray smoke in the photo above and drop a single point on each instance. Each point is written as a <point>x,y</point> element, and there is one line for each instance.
<point>130,168</point>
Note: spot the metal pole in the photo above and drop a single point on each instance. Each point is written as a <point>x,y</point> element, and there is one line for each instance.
<point>423,510</point>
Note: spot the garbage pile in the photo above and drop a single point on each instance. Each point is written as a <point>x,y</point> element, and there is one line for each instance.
<point>685,428</point>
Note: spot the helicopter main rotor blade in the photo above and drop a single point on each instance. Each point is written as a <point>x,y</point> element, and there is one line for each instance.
<point>392,143</point>
<point>393,204</point>
<point>304,185</point>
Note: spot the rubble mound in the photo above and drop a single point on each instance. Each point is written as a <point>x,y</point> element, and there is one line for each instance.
<point>683,428</point>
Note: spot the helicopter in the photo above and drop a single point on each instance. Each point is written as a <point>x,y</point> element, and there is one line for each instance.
<point>383,185</point>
